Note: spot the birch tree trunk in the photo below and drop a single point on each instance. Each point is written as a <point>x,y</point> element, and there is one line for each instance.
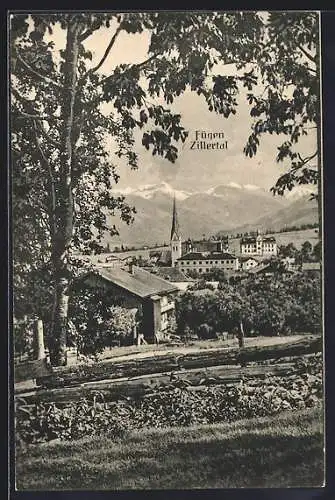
<point>64,205</point>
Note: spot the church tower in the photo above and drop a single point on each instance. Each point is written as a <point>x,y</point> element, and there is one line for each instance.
<point>175,239</point>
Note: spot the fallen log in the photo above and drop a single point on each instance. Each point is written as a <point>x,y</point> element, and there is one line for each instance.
<point>298,348</point>
<point>112,390</point>
<point>171,362</point>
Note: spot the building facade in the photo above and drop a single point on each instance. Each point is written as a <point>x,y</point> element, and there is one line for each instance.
<point>258,245</point>
<point>204,262</point>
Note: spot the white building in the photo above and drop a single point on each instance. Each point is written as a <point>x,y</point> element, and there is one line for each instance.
<point>246,263</point>
<point>203,262</point>
<point>258,245</point>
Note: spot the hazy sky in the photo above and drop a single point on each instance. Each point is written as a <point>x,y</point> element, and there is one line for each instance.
<point>194,170</point>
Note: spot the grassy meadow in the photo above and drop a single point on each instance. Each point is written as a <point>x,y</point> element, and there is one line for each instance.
<point>281,451</point>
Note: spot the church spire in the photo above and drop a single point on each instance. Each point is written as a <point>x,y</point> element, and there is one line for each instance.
<point>175,224</point>
<point>175,242</point>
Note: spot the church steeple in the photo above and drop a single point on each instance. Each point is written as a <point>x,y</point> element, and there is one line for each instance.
<point>175,225</point>
<point>175,235</point>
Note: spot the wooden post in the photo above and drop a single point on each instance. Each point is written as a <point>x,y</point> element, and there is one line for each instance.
<point>39,351</point>
<point>135,336</point>
<point>240,335</point>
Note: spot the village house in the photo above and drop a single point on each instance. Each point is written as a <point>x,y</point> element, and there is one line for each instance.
<point>137,288</point>
<point>290,264</point>
<point>246,263</point>
<point>312,268</point>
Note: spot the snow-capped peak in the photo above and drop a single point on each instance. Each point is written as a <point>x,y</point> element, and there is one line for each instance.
<point>251,187</point>
<point>301,191</point>
<point>147,191</point>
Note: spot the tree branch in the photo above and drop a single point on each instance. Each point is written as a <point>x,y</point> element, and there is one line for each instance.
<point>304,161</point>
<point>133,66</point>
<point>36,117</point>
<point>46,135</point>
<point>304,51</point>
<point>20,97</point>
<point>29,104</point>
<point>89,31</point>
<point>144,63</point>
<point>46,79</point>
<point>107,51</point>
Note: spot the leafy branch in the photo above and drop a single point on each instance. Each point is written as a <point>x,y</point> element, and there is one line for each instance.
<point>33,71</point>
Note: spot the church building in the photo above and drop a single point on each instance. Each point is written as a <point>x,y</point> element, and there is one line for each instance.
<point>191,259</point>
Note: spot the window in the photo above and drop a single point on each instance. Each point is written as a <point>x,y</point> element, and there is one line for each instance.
<point>207,270</point>
<point>194,262</point>
<point>200,270</point>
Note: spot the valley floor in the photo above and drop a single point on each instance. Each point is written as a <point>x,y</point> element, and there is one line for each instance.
<point>281,451</point>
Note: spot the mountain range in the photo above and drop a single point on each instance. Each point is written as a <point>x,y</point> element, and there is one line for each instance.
<point>224,208</point>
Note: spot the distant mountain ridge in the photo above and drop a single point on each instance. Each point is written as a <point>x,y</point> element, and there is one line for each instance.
<point>300,212</point>
<point>220,209</point>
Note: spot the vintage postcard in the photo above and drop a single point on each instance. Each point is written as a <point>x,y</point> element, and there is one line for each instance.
<point>167,235</point>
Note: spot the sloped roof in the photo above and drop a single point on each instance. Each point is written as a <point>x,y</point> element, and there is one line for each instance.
<point>248,239</point>
<point>260,267</point>
<point>252,239</point>
<point>170,274</point>
<point>140,283</point>
<point>165,257</point>
<point>245,259</point>
<point>207,256</point>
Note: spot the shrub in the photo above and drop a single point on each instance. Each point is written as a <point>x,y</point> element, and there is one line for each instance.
<point>46,421</point>
<point>98,321</point>
<point>206,332</point>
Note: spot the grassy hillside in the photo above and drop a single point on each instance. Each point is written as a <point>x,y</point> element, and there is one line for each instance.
<point>281,451</point>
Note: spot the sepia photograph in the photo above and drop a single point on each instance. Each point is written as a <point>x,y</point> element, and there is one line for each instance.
<point>166,177</point>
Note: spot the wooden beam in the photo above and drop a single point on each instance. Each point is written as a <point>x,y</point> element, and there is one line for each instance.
<point>173,362</point>
<point>112,390</point>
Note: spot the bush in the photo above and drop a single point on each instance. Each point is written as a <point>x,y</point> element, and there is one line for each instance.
<point>267,305</point>
<point>206,332</point>
<point>45,421</point>
<point>98,321</point>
